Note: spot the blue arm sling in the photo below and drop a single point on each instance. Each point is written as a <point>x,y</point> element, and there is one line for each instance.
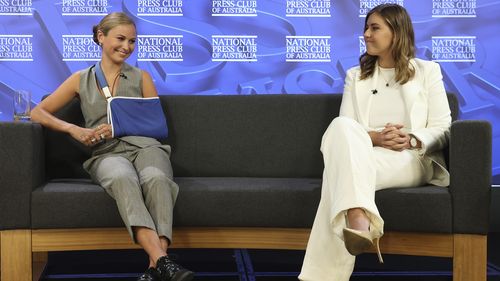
<point>131,116</point>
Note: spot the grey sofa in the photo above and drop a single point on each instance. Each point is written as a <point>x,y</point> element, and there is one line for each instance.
<point>249,170</point>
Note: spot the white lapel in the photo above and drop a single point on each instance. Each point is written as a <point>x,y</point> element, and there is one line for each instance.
<point>414,98</point>
<point>363,95</point>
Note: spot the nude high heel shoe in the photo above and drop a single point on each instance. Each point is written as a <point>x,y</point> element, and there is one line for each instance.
<point>358,242</point>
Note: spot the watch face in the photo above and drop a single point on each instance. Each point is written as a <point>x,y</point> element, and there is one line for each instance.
<point>413,142</point>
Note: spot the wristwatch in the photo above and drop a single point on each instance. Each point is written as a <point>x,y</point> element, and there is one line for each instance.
<point>413,141</point>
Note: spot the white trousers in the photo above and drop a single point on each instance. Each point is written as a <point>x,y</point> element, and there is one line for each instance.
<point>354,170</point>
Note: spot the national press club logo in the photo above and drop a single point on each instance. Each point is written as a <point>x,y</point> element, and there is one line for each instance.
<point>454,48</point>
<point>84,7</point>
<point>362,45</point>
<point>366,5</point>
<point>234,48</point>
<point>159,8</point>
<point>80,48</point>
<point>308,49</point>
<point>16,7</point>
<point>454,8</point>
<point>234,8</point>
<point>16,48</point>
<point>160,47</point>
<point>308,8</point>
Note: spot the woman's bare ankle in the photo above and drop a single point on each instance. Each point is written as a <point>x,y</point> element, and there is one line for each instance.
<point>358,219</point>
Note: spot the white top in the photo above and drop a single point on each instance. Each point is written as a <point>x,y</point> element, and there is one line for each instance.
<point>388,104</point>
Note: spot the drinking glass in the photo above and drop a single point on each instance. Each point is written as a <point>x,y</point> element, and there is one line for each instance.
<point>22,105</point>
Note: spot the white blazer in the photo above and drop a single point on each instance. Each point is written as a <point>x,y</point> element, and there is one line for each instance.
<point>426,103</point>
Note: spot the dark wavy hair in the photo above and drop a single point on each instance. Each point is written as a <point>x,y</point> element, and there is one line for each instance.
<point>109,22</point>
<point>403,45</point>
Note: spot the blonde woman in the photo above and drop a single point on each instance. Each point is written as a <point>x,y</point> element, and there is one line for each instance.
<point>134,170</point>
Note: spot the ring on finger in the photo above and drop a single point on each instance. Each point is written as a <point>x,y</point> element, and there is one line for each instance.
<point>103,136</point>
<point>93,140</point>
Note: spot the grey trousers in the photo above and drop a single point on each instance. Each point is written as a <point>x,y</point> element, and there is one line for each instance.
<point>140,179</point>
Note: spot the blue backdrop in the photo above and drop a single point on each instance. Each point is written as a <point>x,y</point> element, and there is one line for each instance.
<point>216,47</point>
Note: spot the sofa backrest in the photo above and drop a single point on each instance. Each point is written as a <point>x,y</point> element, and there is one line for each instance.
<point>227,135</point>
<point>249,136</point>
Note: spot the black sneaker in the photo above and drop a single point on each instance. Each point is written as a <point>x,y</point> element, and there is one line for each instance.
<point>151,274</point>
<point>170,271</point>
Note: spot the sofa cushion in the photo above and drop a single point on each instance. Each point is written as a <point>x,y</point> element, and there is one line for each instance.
<point>73,203</point>
<point>418,209</point>
<point>238,202</point>
<point>260,202</point>
<point>244,202</point>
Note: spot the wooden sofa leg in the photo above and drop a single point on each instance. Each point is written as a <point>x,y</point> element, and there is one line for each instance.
<point>16,255</point>
<point>469,257</point>
<point>40,260</point>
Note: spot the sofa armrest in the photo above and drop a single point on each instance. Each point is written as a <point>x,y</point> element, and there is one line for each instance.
<point>470,175</point>
<point>22,169</point>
